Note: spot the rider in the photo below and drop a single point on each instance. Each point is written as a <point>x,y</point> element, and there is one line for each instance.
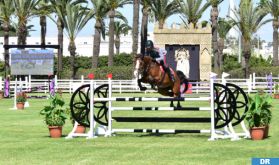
<point>153,52</point>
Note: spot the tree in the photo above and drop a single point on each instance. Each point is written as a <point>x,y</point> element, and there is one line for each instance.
<point>135,32</point>
<point>192,10</point>
<point>120,27</point>
<point>101,9</point>
<point>163,9</point>
<point>248,19</point>
<point>43,9</point>
<point>146,10</point>
<point>24,10</point>
<point>74,20</point>
<point>113,5</point>
<point>224,26</point>
<point>59,6</point>
<point>272,7</point>
<point>214,18</point>
<point>6,12</point>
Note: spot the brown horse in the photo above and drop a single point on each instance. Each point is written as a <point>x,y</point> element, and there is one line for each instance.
<point>151,73</point>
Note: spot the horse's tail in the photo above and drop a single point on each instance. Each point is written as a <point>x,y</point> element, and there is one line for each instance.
<point>183,80</point>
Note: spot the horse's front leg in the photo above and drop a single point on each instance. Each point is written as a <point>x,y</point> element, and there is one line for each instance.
<point>140,86</point>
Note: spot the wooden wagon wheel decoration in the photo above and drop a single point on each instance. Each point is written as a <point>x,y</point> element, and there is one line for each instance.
<point>241,103</point>
<point>80,105</point>
<point>224,105</point>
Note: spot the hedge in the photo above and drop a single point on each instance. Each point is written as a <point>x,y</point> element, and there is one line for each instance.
<point>118,72</point>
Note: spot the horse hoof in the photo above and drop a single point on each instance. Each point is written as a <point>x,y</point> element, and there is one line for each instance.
<point>143,88</point>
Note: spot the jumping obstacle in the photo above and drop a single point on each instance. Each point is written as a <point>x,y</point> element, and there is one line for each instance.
<point>90,106</point>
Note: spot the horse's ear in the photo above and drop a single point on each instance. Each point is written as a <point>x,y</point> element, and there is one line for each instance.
<point>139,55</point>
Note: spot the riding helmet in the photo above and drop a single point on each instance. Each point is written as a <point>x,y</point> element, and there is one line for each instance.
<point>149,44</point>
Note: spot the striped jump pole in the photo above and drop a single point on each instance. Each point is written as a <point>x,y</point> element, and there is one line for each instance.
<point>160,119</point>
<point>160,108</point>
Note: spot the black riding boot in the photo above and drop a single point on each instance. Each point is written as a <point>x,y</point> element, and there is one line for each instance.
<point>167,69</point>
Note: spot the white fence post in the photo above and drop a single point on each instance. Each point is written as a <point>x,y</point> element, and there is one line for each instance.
<point>254,80</point>
<point>1,86</point>
<point>55,83</point>
<point>30,85</point>
<point>82,79</point>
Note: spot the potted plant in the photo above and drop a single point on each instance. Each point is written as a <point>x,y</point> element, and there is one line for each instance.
<point>276,94</point>
<point>258,115</point>
<point>266,114</point>
<point>21,98</point>
<point>55,115</point>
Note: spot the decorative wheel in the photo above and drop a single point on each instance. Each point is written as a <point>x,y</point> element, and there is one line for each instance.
<point>80,105</point>
<point>241,103</point>
<point>100,107</point>
<point>225,103</point>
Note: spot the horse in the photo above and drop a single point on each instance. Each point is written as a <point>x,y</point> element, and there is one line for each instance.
<point>151,72</point>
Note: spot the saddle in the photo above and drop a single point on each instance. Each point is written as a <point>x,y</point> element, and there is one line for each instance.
<point>168,70</point>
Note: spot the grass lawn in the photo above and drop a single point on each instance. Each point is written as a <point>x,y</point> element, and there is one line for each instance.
<point>24,139</point>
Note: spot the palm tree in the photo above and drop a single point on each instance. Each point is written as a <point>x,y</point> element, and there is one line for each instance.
<point>214,20</point>
<point>146,10</point>
<point>101,9</point>
<point>272,7</point>
<point>224,26</point>
<point>248,19</point>
<point>192,10</point>
<point>113,5</point>
<point>6,12</point>
<point>24,10</point>
<point>120,28</point>
<point>59,6</point>
<point>43,9</point>
<point>163,9</point>
<point>135,31</point>
<point>74,20</point>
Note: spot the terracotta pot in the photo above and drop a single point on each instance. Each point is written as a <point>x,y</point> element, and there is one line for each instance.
<point>20,105</point>
<point>257,133</point>
<point>80,129</point>
<point>266,130</point>
<point>55,131</point>
<point>276,96</point>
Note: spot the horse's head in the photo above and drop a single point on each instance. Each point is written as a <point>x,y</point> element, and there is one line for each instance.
<point>139,64</point>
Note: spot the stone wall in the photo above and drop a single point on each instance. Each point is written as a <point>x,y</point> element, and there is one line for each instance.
<point>179,35</point>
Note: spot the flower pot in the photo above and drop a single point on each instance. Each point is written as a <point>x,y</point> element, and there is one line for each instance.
<point>80,129</point>
<point>257,133</point>
<point>266,130</point>
<point>55,131</point>
<point>20,105</point>
<point>276,96</point>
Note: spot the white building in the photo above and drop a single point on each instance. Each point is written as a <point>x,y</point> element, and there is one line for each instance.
<point>84,44</point>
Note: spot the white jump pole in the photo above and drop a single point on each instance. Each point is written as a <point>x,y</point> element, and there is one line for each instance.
<point>15,92</point>
<point>91,130</point>
<point>109,131</point>
<point>212,124</point>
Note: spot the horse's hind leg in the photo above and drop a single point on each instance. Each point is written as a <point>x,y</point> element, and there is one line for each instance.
<point>178,104</point>
<point>166,92</point>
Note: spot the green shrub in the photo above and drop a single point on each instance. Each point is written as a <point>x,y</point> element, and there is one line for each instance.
<point>2,68</point>
<point>118,72</point>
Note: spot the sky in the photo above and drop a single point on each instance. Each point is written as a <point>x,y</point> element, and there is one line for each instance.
<point>265,32</point>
